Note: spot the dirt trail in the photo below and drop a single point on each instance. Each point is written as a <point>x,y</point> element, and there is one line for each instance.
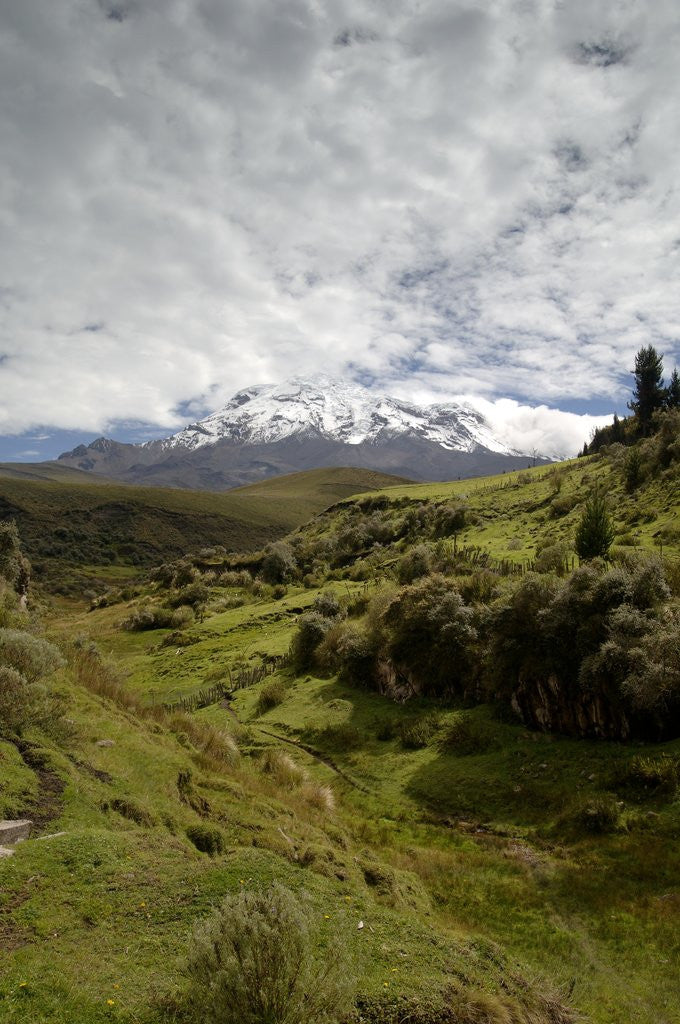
<point>316,754</point>
<point>50,788</point>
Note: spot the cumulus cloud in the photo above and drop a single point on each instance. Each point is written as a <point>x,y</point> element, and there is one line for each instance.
<point>552,432</point>
<point>199,196</point>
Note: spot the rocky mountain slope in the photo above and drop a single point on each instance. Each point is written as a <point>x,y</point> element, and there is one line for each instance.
<point>302,424</point>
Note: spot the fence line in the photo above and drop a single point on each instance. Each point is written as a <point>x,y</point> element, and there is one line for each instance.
<point>248,675</point>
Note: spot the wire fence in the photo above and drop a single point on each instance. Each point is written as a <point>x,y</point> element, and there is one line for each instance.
<point>239,679</point>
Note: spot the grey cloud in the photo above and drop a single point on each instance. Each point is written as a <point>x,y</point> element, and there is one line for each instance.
<point>201,195</point>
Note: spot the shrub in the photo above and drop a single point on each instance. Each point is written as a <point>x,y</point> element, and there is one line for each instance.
<point>467,736</point>
<point>148,618</point>
<point>278,563</point>
<point>182,616</point>
<point>312,628</point>
<point>417,732</point>
<point>24,704</point>
<point>415,563</point>
<point>271,695</point>
<point>431,635</point>
<point>650,776</point>
<point>552,558</point>
<point>279,591</point>
<point>193,594</point>
<point>29,655</point>
<point>479,588</point>
<point>562,505</point>
<point>356,653</point>
<point>597,815</point>
<point>256,959</point>
<point>327,604</point>
<point>206,838</point>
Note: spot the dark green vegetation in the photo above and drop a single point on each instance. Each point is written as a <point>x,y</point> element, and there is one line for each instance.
<point>67,524</point>
<point>471,868</point>
<point>649,402</point>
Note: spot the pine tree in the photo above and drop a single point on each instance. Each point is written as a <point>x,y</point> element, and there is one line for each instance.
<point>595,531</point>
<point>673,391</point>
<point>617,430</point>
<point>649,393</point>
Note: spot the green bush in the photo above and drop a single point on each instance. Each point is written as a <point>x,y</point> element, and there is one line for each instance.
<point>649,776</point>
<point>24,704</point>
<point>279,564</point>
<point>418,732</point>
<point>31,656</point>
<point>311,629</point>
<point>327,604</point>
<point>467,735</point>
<point>416,563</point>
<point>148,618</point>
<point>431,635</point>
<point>596,815</point>
<point>206,838</point>
<point>257,960</point>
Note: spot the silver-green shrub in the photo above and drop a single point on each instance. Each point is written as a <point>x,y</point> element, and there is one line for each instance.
<point>257,961</point>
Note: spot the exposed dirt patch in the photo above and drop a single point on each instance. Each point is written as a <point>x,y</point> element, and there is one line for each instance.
<point>96,773</point>
<point>50,788</point>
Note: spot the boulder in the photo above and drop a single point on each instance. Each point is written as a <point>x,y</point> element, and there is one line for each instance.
<point>14,831</point>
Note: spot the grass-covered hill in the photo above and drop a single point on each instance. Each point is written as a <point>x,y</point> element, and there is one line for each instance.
<point>336,712</point>
<point>67,521</point>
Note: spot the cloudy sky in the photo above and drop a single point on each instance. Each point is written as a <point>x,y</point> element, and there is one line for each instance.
<point>437,198</point>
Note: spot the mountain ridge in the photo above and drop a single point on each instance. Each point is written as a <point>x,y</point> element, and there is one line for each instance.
<point>304,423</point>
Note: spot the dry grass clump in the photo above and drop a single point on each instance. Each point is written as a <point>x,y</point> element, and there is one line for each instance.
<point>319,796</point>
<point>283,769</point>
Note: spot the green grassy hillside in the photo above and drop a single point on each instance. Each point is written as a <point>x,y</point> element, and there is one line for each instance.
<point>55,471</point>
<point>66,523</point>
<point>502,875</point>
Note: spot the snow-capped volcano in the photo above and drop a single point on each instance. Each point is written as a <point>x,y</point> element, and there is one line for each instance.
<point>338,411</point>
<point>308,423</point>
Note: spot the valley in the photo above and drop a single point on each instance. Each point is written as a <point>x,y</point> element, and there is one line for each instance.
<point>223,726</point>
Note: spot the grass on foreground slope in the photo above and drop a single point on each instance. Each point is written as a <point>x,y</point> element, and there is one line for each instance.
<point>484,835</point>
<point>95,914</point>
<point>70,523</point>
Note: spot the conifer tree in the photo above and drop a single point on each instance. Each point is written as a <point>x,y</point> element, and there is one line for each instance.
<point>649,393</point>
<point>673,391</point>
<point>595,532</point>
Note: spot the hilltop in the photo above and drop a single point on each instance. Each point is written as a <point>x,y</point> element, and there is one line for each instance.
<point>69,520</point>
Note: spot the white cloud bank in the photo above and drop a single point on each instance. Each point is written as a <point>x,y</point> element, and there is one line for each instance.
<point>552,432</point>
<point>198,195</point>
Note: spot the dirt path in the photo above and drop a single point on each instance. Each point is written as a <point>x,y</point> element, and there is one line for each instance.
<point>50,788</point>
<point>316,754</point>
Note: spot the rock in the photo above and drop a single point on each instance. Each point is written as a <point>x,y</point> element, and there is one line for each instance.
<point>14,831</point>
<point>360,925</point>
<point>5,851</point>
<point>105,743</point>
<point>52,835</point>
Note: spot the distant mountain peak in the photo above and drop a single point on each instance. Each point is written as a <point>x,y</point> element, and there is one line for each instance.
<point>340,411</point>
